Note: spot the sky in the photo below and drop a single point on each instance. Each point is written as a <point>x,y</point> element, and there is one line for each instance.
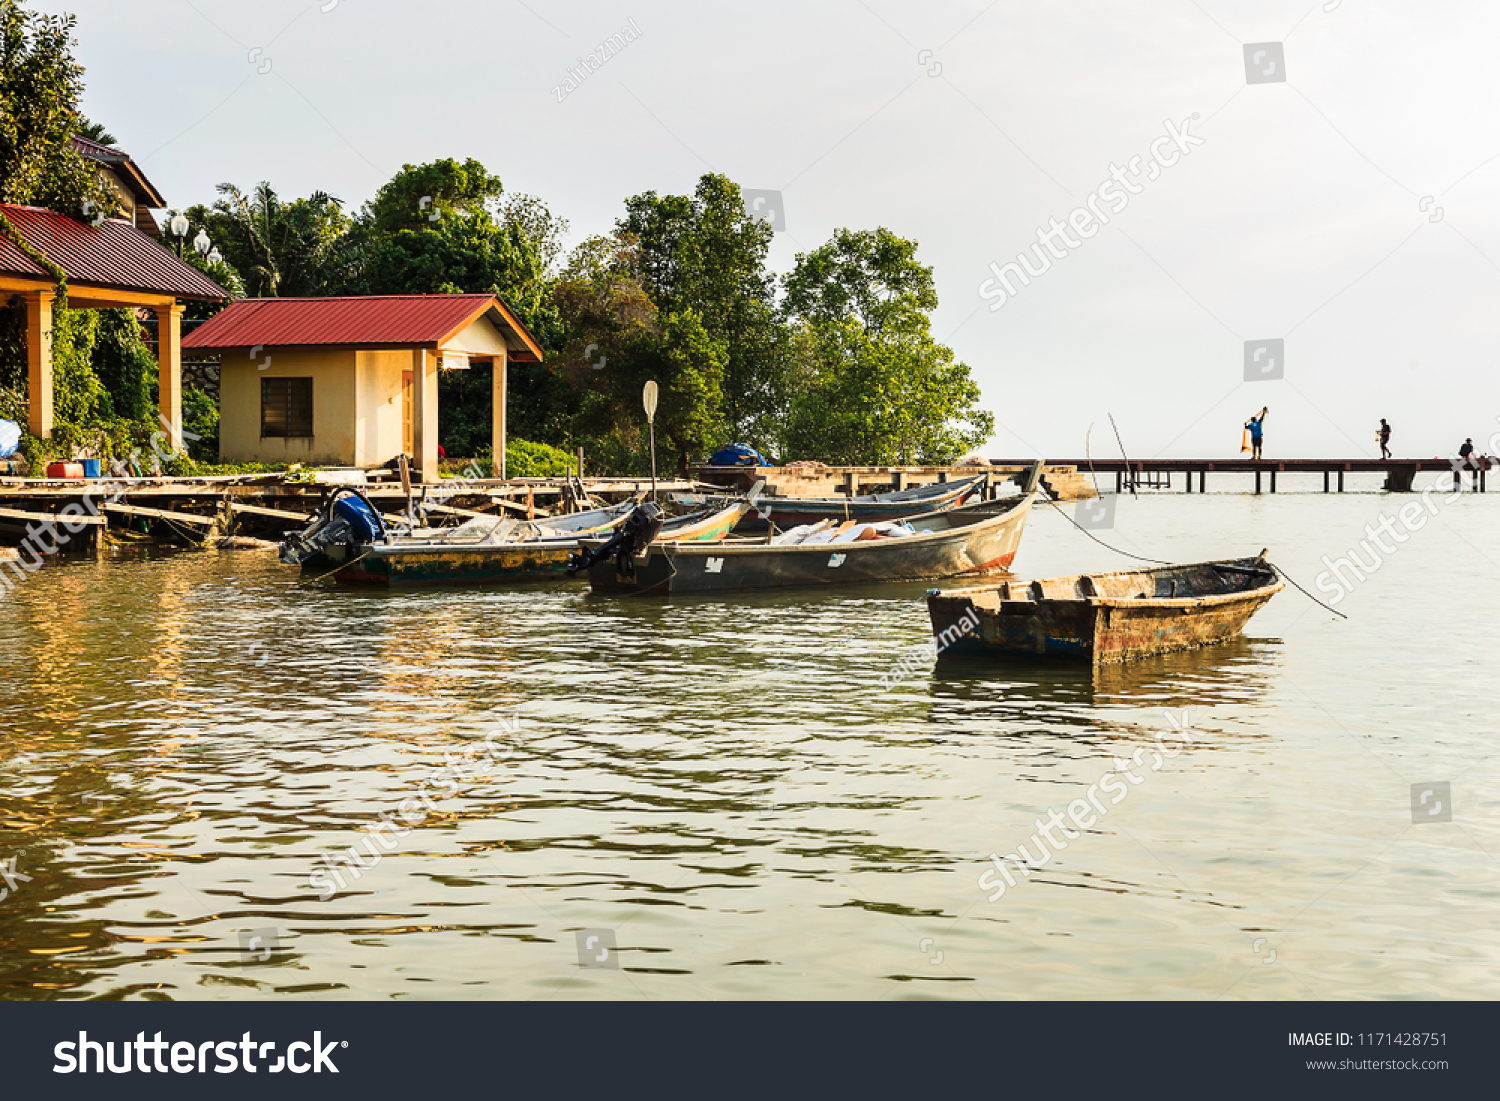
<point>1333,189</point>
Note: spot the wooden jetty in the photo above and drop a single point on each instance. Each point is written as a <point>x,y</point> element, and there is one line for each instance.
<point>1400,474</point>
<point>196,509</point>
<point>1062,480</point>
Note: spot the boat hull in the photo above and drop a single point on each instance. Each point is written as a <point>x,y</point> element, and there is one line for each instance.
<point>982,546</point>
<point>789,512</point>
<point>1094,629</point>
<point>434,563</point>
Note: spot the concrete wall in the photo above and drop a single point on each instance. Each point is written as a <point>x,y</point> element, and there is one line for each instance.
<point>334,441</point>
<point>379,405</point>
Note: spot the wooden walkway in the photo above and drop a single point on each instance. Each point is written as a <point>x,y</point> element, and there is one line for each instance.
<point>1400,474</point>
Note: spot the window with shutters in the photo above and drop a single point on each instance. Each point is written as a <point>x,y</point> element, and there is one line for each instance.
<point>286,407</point>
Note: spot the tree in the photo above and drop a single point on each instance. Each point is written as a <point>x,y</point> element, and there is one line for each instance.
<point>869,384</point>
<point>278,248</point>
<point>617,341</point>
<point>40,86</point>
<point>706,256</point>
<point>96,132</point>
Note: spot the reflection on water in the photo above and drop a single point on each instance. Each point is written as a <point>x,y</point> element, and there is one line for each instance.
<point>740,792</point>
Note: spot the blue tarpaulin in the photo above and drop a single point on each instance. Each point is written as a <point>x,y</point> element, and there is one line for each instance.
<point>738,454</point>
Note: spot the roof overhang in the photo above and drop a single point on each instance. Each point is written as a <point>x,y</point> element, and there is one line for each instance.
<point>520,344</point>
<point>89,296</point>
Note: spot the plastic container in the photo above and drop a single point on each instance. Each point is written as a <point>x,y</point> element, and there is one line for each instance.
<point>90,467</point>
<point>65,470</point>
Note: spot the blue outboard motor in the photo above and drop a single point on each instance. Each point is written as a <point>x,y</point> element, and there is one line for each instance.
<point>365,524</point>
<point>738,454</point>
<point>348,518</point>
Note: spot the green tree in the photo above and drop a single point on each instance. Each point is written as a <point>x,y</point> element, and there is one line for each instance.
<point>869,384</point>
<point>617,341</point>
<point>40,87</point>
<point>705,255</point>
<point>96,132</point>
<point>279,248</point>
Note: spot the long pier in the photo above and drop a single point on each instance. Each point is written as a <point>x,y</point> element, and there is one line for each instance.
<point>1157,473</point>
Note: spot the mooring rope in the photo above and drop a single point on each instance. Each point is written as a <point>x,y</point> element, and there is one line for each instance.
<point>1157,561</point>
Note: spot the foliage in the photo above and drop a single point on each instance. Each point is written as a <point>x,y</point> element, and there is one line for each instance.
<point>870,385</point>
<point>278,249</point>
<point>40,86</point>
<point>123,364</point>
<point>200,418</point>
<point>706,255</point>
<point>617,341</point>
<point>525,459</point>
<point>95,132</point>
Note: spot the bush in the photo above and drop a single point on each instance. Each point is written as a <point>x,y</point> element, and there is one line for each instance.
<point>524,459</point>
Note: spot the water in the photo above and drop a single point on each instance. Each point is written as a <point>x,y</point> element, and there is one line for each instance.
<point>731,794</point>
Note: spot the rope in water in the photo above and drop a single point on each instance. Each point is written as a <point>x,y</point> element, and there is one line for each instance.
<point>1157,561</point>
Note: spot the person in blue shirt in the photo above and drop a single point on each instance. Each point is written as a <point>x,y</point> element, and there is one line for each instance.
<point>1256,426</point>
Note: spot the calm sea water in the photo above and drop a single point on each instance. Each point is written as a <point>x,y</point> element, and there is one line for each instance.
<point>732,795</point>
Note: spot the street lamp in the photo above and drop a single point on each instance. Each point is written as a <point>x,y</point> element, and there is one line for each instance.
<point>202,243</point>
<point>179,225</point>
<point>215,257</point>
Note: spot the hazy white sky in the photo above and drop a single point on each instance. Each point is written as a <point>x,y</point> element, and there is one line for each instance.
<point>1346,209</point>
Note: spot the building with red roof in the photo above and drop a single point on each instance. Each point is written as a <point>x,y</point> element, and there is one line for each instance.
<point>353,381</point>
<point>109,263</point>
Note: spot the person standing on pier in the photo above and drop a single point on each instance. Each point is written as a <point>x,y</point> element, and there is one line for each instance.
<point>1466,452</point>
<point>1256,426</point>
<point>1384,435</point>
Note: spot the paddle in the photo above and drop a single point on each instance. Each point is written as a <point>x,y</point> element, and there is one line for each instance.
<point>648,398</point>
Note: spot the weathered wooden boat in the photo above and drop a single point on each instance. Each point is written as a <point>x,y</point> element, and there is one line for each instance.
<point>790,512</point>
<point>969,540</point>
<point>1105,617</point>
<point>484,550</point>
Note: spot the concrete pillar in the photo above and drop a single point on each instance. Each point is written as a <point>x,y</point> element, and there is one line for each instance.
<point>501,375</point>
<point>424,414</point>
<point>169,370</point>
<point>39,362</point>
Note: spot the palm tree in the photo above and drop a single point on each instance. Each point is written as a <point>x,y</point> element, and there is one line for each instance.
<point>280,246</point>
<point>95,132</point>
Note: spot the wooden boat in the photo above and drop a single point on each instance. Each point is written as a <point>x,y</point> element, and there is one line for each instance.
<point>1105,617</point>
<point>485,550</point>
<point>970,540</point>
<point>790,512</point>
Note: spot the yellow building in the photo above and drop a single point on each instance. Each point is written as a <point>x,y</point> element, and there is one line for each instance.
<point>352,381</point>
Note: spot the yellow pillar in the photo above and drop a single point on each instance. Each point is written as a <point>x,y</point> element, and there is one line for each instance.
<point>501,372</point>
<point>169,370</point>
<point>424,414</point>
<point>39,362</point>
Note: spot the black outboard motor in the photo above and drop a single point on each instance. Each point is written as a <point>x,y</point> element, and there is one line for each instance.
<point>630,538</point>
<point>347,517</point>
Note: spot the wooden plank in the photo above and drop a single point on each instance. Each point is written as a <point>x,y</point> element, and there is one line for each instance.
<point>272,513</point>
<point>163,514</point>
<point>50,518</point>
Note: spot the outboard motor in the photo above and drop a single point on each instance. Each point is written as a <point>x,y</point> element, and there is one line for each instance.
<point>347,517</point>
<point>633,535</point>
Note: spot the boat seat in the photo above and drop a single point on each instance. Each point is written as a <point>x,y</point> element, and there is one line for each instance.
<point>1056,588</point>
<point>1121,586</point>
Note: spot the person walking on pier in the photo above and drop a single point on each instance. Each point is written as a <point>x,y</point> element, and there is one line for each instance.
<point>1384,435</point>
<point>1256,426</point>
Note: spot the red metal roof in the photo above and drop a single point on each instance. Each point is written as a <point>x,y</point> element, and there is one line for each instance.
<point>112,254</point>
<point>406,320</point>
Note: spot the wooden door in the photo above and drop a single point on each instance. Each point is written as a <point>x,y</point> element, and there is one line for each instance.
<point>406,399</point>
